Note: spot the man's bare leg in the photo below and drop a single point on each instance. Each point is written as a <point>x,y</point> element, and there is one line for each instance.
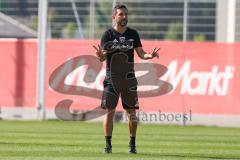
<point>132,122</point>
<point>108,129</point>
<point>132,125</point>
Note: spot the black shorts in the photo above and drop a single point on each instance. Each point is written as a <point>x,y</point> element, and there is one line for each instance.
<point>112,92</point>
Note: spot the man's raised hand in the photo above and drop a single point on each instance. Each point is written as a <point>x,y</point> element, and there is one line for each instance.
<point>101,54</point>
<point>155,53</point>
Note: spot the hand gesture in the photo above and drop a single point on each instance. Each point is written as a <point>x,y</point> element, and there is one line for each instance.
<point>155,53</point>
<point>101,54</point>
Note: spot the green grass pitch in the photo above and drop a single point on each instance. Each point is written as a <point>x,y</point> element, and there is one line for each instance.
<point>61,140</point>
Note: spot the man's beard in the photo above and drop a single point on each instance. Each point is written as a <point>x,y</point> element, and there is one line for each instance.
<point>123,22</point>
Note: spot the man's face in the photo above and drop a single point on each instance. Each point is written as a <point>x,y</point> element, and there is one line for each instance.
<point>121,17</point>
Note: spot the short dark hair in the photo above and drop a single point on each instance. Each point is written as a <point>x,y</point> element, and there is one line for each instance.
<point>118,6</point>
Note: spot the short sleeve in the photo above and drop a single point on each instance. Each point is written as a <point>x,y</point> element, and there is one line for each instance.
<point>137,41</point>
<point>104,39</point>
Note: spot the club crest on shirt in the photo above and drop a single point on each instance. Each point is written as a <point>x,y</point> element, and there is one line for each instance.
<point>122,39</point>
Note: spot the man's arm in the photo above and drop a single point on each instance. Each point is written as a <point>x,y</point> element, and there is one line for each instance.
<point>143,55</point>
<point>100,51</point>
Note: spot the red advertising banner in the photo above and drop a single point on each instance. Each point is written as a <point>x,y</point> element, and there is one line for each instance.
<point>18,64</point>
<point>204,76</point>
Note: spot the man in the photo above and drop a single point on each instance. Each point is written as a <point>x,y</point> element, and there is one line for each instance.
<point>117,47</point>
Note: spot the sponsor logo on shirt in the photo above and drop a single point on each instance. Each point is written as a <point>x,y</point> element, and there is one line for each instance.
<point>123,45</point>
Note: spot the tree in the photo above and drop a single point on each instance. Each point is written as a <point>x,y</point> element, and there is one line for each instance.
<point>199,38</point>
<point>174,31</point>
<point>69,30</point>
<point>33,23</point>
